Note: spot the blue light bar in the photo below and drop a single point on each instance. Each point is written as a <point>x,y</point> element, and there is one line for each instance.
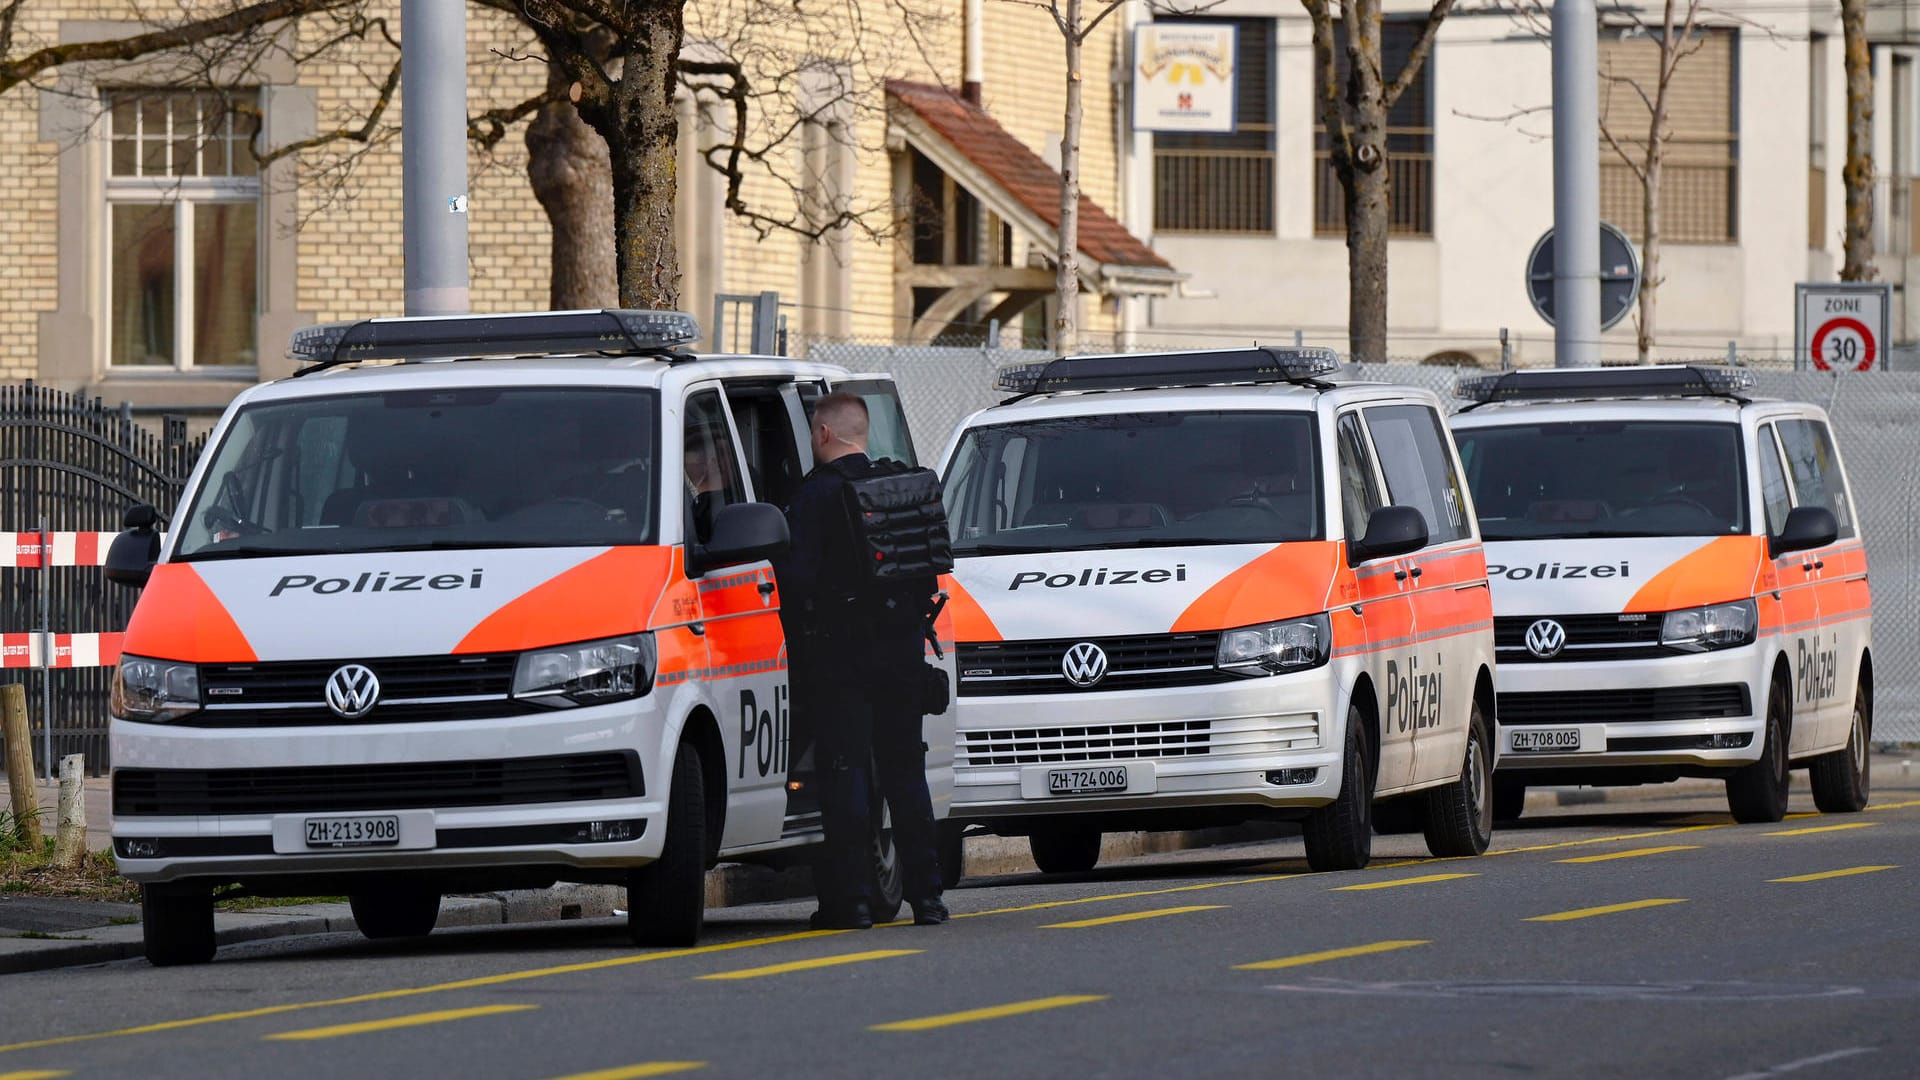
<point>1585,384</point>
<point>609,331</point>
<point>1217,367</point>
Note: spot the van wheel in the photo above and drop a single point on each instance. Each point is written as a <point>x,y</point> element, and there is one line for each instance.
<point>1339,835</point>
<point>1407,814</point>
<point>1460,815</point>
<point>1757,793</point>
<point>1509,798</point>
<point>395,911</point>
<point>667,898</point>
<point>1843,779</point>
<point>887,888</point>
<point>951,846</point>
<point>176,924</point>
<point>1065,849</point>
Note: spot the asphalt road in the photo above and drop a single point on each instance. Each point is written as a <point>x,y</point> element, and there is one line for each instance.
<point>1652,938</point>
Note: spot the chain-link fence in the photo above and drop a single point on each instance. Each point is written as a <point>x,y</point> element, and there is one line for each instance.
<point>1873,416</point>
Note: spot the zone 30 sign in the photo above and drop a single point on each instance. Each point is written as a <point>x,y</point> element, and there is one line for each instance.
<point>1841,326</point>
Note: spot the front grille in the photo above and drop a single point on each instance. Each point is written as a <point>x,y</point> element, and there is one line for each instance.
<point>1624,706</point>
<point>1090,742</point>
<point>1133,663</point>
<point>412,688</point>
<point>410,786</point>
<point>1589,637</point>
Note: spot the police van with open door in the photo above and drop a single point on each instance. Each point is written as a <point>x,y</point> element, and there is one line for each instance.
<point>495,615</point>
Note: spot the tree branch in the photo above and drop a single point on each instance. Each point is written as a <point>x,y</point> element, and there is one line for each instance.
<point>362,134</point>
<point>486,129</point>
<point>1331,118</point>
<point>1417,56</point>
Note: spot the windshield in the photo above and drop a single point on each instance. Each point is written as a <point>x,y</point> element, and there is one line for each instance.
<point>1570,480</point>
<point>1134,480</point>
<point>418,469</point>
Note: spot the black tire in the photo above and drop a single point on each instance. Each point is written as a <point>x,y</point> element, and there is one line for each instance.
<point>1394,817</point>
<point>950,842</point>
<point>1757,793</point>
<point>1065,849</point>
<point>1509,798</point>
<point>1843,779</point>
<point>667,898</point>
<point>886,887</point>
<point>1339,835</point>
<point>395,912</point>
<point>176,924</point>
<point>1460,814</point>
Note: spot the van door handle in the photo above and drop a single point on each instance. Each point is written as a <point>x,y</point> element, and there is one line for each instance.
<point>766,588</point>
<point>1819,564</point>
<point>1470,585</point>
<point>699,629</point>
<point>1417,572</point>
<point>1399,575</point>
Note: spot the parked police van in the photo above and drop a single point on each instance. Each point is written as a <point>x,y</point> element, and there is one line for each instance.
<point>494,622</point>
<point>1679,585</point>
<point>1200,588</point>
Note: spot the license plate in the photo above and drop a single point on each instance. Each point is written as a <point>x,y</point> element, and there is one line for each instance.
<point>1545,739</point>
<point>381,830</point>
<point>1085,781</point>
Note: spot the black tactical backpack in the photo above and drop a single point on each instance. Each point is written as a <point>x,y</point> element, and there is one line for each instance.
<point>899,523</point>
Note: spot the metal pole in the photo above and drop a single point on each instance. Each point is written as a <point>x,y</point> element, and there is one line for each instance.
<point>433,153</point>
<point>1576,184</point>
<point>46,648</point>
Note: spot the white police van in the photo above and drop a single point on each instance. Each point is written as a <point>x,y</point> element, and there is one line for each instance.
<point>1200,588</point>
<point>1679,585</point>
<point>494,617</point>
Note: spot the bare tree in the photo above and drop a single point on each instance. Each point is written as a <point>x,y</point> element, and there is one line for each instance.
<point>1858,173</point>
<point>1356,127</point>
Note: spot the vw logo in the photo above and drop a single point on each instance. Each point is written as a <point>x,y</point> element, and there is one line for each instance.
<point>352,691</point>
<point>1084,664</point>
<point>1545,638</point>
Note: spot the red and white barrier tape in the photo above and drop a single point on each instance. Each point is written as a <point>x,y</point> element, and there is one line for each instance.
<point>27,549</point>
<point>69,650</point>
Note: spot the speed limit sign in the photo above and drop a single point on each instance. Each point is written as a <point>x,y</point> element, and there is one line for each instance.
<point>1841,326</point>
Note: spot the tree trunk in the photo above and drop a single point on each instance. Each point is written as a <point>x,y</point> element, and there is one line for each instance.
<point>1368,195</point>
<point>1066,289</point>
<point>1858,174</point>
<point>641,139</point>
<point>569,171</point>
<point>1650,249</point>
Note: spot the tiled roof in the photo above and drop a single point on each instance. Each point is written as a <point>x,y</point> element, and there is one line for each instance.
<point>1029,180</point>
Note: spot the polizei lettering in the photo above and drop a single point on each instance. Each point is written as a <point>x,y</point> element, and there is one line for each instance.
<point>371,582</point>
<point>1100,575</point>
<point>1413,696</point>
<point>1558,571</point>
<point>1818,672</point>
<point>764,731</point>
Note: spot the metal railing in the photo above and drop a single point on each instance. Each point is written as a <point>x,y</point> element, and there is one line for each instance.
<point>1409,200</point>
<point>1213,191</point>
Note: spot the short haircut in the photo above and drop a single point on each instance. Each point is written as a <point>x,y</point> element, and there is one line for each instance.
<point>846,414</point>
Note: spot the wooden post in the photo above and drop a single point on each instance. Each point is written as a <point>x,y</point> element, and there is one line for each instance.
<point>70,838</point>
<point>13,725</point>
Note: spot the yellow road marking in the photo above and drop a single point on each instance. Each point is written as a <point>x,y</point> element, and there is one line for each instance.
<point>1634,854</point>
<point>1822,876</point>
<point>411,991</point>
<point>415,1020</point>
<point>1397,882</point>
<point>1043,905</point>
<point>1331,954</point>
<point>35,1074</point>
<point>991,1012</point>
<point>1131,916</point>
<point>1824,828</point>
<point>809,965</point>
<point>1895,805</point>
<point>1610,909</point>
<point>635,1072</point>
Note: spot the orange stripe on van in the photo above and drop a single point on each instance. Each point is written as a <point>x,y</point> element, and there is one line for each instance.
<point>970,621</point>
<point>608,595</point>
<point>1719,570</point>
<point>180,618</point>
<point>1289,580</point>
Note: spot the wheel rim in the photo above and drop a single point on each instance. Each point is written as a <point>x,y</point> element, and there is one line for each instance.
<point>1479,778</point>
<point>1776,738</point>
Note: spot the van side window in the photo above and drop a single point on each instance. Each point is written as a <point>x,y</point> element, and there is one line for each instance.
<point>767,441</point>
<point>887,434</point>
<point>712,467</point>
<point>1773,482</point>
<point>1359,491</point>
<point>1815,469</point>
<point>1419,470</point>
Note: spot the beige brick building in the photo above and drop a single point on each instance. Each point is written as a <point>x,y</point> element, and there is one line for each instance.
<point>149,257</point>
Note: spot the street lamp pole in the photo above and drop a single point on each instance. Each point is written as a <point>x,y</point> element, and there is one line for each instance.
<point>433,154</point>
<point>1576,184</point>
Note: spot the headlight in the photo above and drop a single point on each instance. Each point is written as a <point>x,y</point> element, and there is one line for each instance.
<point>1272,648</point>
<point>591,673</point>
<point>1717,626</point>
<point>154,691</point>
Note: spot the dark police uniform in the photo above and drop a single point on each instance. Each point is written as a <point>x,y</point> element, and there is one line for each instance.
<point>856,662</point>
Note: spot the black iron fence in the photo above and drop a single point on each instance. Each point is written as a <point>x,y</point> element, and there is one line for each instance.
<point>72,464</point>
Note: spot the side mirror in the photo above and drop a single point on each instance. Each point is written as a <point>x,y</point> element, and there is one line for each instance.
<point>1806,527</point>
<point>130,560</point>
<point>742,533</point>
<point>1391,530</point>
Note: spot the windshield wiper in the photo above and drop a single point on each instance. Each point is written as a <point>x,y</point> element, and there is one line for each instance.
<point>252,551</point>
<point>999,549</point>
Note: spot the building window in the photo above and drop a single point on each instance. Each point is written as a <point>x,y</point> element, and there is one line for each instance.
<point>1409,140</point>
<point>1700,175</point>
<point>183,232</point>
<point>1209,183</point>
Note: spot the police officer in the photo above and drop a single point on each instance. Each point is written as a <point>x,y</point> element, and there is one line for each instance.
<point>857,666</point>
